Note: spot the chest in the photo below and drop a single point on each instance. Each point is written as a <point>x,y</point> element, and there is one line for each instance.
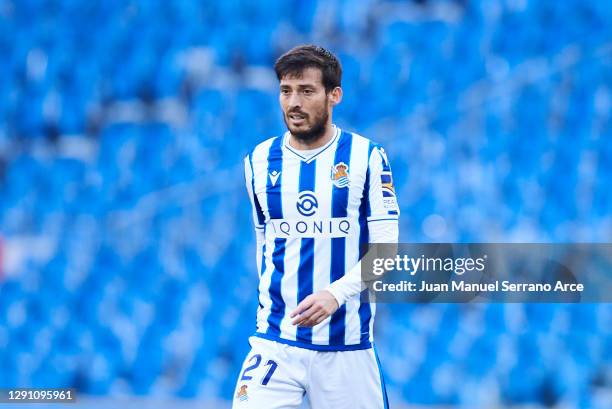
<point>327,187</point>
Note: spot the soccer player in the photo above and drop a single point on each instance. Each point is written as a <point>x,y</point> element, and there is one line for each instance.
<point>319,195</point>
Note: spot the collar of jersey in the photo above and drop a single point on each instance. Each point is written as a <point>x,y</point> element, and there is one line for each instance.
<point>313,157</point>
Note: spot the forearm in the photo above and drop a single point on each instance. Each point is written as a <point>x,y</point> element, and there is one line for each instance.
<point>352,283</point>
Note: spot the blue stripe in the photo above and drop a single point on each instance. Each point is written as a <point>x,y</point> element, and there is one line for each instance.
<point>277,310</point>
<point>261,271</point>
<point>338,248</point>
<point>340,195</point>
<point>385,178</point>
<point>365,313</point>
<point>315,347</point>
<point>263,258</point>
<point>275,209</point>
<point>338,319</point>
<point>382,381</point>
<point>273,191</point>
<point>306,267</point>
<point>386,193</point>
<point>258,211</point>
<point>365,211</point>
<point>366,186</point>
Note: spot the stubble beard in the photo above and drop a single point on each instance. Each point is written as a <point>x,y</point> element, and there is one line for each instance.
<point>316,131</point>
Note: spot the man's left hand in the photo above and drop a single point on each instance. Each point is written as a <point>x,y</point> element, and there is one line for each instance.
<point>314,309</point>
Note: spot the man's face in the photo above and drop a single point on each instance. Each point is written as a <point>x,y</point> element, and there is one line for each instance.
<point>306,106</point>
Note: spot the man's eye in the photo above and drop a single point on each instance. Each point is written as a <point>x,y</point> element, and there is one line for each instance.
<point>307,92</point>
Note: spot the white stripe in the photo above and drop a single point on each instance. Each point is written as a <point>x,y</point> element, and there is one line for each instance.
<point>321,279</point>
<point>290,179</point>
<point>353,322</point>
<point>373,312</point>
<point>359,163</point>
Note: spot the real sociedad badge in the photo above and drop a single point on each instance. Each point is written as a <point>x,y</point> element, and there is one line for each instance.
<point>242,394</point>
<point>340,175</point>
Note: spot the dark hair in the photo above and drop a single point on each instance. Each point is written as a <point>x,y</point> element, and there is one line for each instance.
<point>296,60</point>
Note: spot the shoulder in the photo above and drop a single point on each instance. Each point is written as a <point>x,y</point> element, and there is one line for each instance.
<point>366,144</point>
<point>261,150</point>
<point>374,151</point>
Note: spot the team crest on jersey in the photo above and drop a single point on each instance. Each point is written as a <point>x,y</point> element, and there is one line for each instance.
<point>242,394</point>
<point>340,175</point>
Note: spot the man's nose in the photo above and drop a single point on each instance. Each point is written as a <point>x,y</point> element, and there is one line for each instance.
<point>294,100</point>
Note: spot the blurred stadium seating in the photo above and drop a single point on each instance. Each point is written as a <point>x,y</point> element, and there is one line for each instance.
<point>127,252</point>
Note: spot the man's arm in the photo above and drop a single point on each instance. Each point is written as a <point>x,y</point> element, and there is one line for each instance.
<point>383,216</point>
<point>258,217</point>
<point>352,283</point>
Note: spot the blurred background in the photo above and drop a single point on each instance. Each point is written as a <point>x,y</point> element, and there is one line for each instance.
<point>127,254</point>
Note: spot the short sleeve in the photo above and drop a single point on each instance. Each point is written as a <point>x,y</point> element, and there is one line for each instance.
<point>258,216</point>
<point>382,198</point>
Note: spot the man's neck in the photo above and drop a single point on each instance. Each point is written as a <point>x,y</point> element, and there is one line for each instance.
<point>327,136</point>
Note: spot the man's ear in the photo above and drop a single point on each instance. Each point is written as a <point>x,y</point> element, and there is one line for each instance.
<point>335,96</point>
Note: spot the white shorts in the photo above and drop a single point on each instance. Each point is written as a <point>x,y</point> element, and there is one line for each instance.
<point>280,376</point>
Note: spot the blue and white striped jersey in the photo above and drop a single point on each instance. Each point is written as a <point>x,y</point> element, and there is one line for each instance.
<point>314,217</point>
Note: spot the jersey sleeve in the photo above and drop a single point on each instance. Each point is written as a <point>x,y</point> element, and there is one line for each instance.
<point>257,214</point>
<point>382,199</point>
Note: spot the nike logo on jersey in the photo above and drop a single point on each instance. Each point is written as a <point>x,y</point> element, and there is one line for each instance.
<point>274,176</point>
